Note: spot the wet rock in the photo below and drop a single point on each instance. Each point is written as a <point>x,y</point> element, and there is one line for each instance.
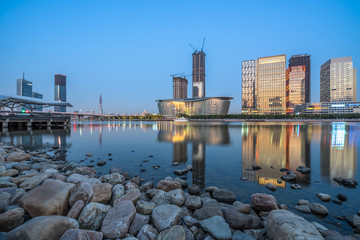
<point>303,170</point>
<point>161,198</point>
<point>284,170</point>
<point>165,216</point>
<point>88,171</point>
<point>101,163</point>
<point>279,181</point>
<point>193,202</point>
<point>319,227</point>
<point>34,181</point>
<point>131,185</point>
<point>147,232</point>
<point>101,193</point>
<point>93,215</point>
<point>76,209</point>
<point>17,157</point>
<point>190,221</point>
<point>16,196</point>
<point>346,182</point>
<point>263,202</point>
<point>271,187</point>
<point>43,228</point>
<point>243,208</point>
<point>152,192</point>
<point>353,221</point>
<point>176,232</point>
<point>177,197</point>
<point>295,186</point>
<point>117,192</point>
<point>79,234</point>
<point>89,154</point>
<point>239,235</point>
<point>51,198</point>
<point>180,172</point>
<point>147,186</point>
<point>240,221</point>
<point>289,177</point>
<point>210,189</point>
<point>145,208</point>
<point>342,197</point>
<point>332,235</point>
<point>208,210</point>
<point>168,185</point>
<point>81,191</point>
<point>117,221</point>
<point>113,178</point>
<point>11,219</point>
<point>336,201</point>
<point>138,222</point>
<point>285,225</point>
<point>133,195</point>
<point>323,197</point>
<point>9,173</point>
<point>194,189</point>
<point>303,202</point>
<point>224,196</point>
<point>217,227</point>
<point>318,209</point>
<point>303,208</point>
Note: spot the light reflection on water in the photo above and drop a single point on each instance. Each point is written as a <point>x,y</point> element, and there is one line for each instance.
<point>220,154</point>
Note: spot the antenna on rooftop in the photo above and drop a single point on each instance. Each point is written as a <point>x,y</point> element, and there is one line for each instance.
<point>23,75</point>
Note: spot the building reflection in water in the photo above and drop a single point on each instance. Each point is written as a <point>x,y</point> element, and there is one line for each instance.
<point>199,135</point>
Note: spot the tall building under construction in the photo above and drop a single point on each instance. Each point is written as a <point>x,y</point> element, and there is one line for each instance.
<point>198,74</point>
<point>180,87</point>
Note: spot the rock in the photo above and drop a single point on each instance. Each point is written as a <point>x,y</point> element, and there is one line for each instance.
<point>241,221</point>
<point>243,208</point>
<point>6,184</point>
<point>92,215</point>
<point>147,186</point>
<point>177,197</point>
<point>193,202</point>
<point>145,208</point>
<point>9,173</point>
<point>303,202</point>
<point>346,182</point>
<point>271,187</point>
<point>224,196</point>
<point>182,182</point>
<point>353,221</point>
<point>332,235</point>
<point>113,178</point>
<point>76,209</point>
<point>319,227</point>
<point>152,192</point>
<point>168,185</point>
<point>51,198</point>
<point>208,210</point>
<point>323,197</point>
<point>318,209</point>
<point>138,222</point>
<point>147,232</point>
<point>336,201</point>
<point>295,186</point>
<point>181,172</point>
<point>255,167</point>
<point>81,191</point>
<point>101,193</point>
<point>131,185</point>
<point>263,202</point>
<point>34,181</point>
<point>17,157</point>
<point>217,227</point>
<point>303,208</point>
<point>132,195</point>
<point>176,232</point>
<point>43,228</point>
<point>101,163</point>
<point>4,201</point>
<point>285,225</point>
<point>165,216</point>
<point>239,235</point>
<point>284,170</point>
<point>342,197</point>
<point>117,191</point>
<point>303,170</point>
<point>117,221</point>
<point>210,189</point>
<point>283,206</point>
<point>79,234</point>
<point>190,221</point>
<point>194,189</point>
<point>16,196</point>
<point>161,198</point>
<point>11,219</point>
<point>289,177</point>
<point>88,171</point>
<point>89,154</point>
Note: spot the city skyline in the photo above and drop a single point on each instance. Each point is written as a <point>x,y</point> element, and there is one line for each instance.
<point>101,51</point>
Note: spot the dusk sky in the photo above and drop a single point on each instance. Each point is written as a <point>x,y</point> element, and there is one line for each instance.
<point>126,50</point>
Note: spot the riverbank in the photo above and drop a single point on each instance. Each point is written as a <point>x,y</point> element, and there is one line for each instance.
<point>44,197</point>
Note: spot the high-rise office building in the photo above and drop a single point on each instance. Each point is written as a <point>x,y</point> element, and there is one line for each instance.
<point>179,87</point>
<point>295,87</point>
<point>38,96</point>
<point>248,86</point>
<point>271,83</point>
<point>23,87</point>
<point>337,80</point>
<point>303,60</point>
<point>60,91</point>
<point>198,74</point>
<point>100,105</point>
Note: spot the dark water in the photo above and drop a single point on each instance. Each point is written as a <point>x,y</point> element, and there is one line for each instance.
<point>220,153</point>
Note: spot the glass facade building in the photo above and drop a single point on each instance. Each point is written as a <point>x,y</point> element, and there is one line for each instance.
<point>338,80</point>
<point>198,73</point>
<point>295,87</point>
<point>248,86</point>
<point>38,96</point>
<point>60,91</point>
<point>180,87</point>
<point>344,107</point>
<point>303,60</point>
<point>24,88</point>
<point>271,83</point>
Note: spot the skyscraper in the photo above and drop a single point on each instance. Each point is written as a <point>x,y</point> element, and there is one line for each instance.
<point>100,105</point>
<point>271,81</point>
<point>39,96</point>
<point>23,87</point>
<point>60,91</point>
<point>198,74</point>
<point>179,87</point>
<point>303,60</point>
<point>248,86</point>
<point>295,87</point>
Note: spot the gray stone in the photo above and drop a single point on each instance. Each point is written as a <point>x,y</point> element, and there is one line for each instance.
<point>79,234</point>
<point>43,228</point>
<point>167,186</point>
<point>9,173</point>
<point>224,196</point>
<point>285,225</point>
<point>4,200</point>
<point>263,202</point>
<point>176,232</point>
<point>34,181</point>
<point>217,227</point>
<point>353,221</point>
<point>101,193</point>
<point>271,187</point>
<point>11,219</point>
<point>161,198</point>
<point>145,208</point>
<point>303,208</point>
<point>177,197</point>
<point>318,209</point>
<point>89,154</point>
<point>147,186</point>
<point>152,192</point>
<point>130,186</point>
<point>76,209</point>
<point>147,232</point>
<point>89,171</point>
<point>303,202</point>
<point>132,195</point>
<point>323,197</point>
<point>165,216</point>
<point>194,189</point>
<point>239,235</point>
<point>113,178</point>
<point>303,170</point>
<point>138,222</point>
<point>16,196</point>
<point>117,191</point>
<point>243,208</point>
<point>17,157</point>
<point>76,178</point>
<point>295,186</point>
<point>81,191</point>
<point>256,233</point>
<point>93,215</point>
<point>190,221</point>
<point>289,177</point>
<point>240,221</point>
<point>319,227</point>
<point>21,167</point>
<point>193,202</point>
<point>208,210</point>
<point>210,189</point>
<point>6,184</point>
<point>182,182</point>
<point>117,221</point>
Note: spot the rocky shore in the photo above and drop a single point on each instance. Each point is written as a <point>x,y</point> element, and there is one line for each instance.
<point>43,197</point>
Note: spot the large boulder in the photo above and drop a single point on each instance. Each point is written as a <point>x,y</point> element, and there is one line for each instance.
<point>137,223</point>
<point>263,202</point>
<point>11,219</point>
<point>217,227</point>
<point>131,195</point>
<point>160,198</point>
<point>76,209</point>
<point>177,197</point>
<point>51,198</point>
<point>167,186</point>
<point>240,221</point>
<point>43,228</point>
<point>208,210</point>
<point>285,225</point>
<point>224,196</point>
<point>18,157</point>
<point>165,216</point>
<point>92,216</point>
<point>79,234</point>
<point>117,221</point>
<point>81,191</point>
<point>101,193</point>
<point>193,202</point>
<point>34,181</point>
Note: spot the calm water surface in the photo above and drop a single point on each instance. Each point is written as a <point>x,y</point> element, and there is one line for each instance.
<point>220,154</point>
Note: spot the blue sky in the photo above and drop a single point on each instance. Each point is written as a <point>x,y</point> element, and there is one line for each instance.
<point>126,50</point>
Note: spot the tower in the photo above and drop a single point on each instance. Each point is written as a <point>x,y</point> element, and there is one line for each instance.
<point>179,87</point>
<point>60,91</point>
<point>248,86</point>
<point>198,73</point>
<point>100,105</point>
<point>303,60</point>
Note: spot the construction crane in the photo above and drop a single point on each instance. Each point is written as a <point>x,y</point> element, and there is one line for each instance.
<point>202,47</point>
<point>192,47</point>
<point>183,75</point>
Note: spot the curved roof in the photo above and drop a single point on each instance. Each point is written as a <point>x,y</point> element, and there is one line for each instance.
<point>16,101</point>
<point>194,99</point>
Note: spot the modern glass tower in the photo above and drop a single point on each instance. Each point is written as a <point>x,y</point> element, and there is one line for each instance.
<point>23,87</point>
<point>198,74</point>
<point>39,96</point>
<point>271,83</point>
<point>248,86</point>
<point>60,91</point>
<point>179,87</point>
<point>303,60</point>
<point>338,80</point>
<point>295,87</point>
<point>100,105</point>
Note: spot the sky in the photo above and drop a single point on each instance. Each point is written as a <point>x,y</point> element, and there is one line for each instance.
<point>126,50</point>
